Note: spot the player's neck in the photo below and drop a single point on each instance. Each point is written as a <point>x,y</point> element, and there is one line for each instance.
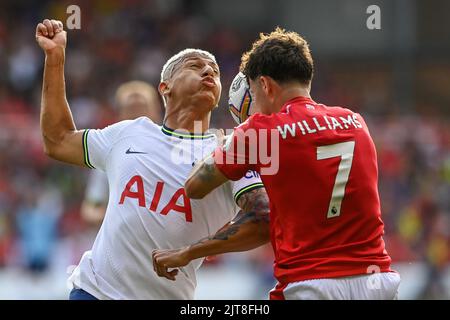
<point>291,92</point>
<point>187,119</point>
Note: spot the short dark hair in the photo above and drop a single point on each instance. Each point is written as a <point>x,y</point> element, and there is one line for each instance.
<point>284,56</point>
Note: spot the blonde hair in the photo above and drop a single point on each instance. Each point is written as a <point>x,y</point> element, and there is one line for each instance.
<point>169,66</point>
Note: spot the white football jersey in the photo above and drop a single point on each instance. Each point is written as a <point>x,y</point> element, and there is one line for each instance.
<point>148,209</point>
<point>97,188</point>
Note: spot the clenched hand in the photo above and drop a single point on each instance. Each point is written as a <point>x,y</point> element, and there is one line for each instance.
<point>165,259</point>
<point>50,35</point>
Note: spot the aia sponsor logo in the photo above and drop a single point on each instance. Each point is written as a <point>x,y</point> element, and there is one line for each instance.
<point>136,183</point>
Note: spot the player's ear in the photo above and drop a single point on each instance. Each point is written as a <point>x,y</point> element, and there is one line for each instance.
<point>264,84</point>
<point>164,89</point>
<point>267,85</point>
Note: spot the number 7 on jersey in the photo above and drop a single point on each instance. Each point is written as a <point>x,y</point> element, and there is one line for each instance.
<point>345,151</point>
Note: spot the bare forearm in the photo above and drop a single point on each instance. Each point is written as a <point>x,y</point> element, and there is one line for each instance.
<point>61,140</point>
<point>246,232</point>
<point>56,118</point>
<point>204,178</point>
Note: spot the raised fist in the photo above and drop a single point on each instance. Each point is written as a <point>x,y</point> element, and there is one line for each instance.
<point>50,35</point>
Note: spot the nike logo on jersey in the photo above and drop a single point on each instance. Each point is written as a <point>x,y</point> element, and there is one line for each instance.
<point>129,151</point>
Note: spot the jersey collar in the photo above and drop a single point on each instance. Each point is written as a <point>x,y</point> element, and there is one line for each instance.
<point>299,99</point>
<point>185,135</point>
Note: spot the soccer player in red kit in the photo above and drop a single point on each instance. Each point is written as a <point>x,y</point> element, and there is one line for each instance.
<point>325,219</point>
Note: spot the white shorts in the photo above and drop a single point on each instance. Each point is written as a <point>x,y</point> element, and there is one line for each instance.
<point>377,286</point>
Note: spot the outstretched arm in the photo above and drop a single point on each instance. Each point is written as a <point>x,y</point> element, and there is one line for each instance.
<point>62,141</point>
<point>248,230</point>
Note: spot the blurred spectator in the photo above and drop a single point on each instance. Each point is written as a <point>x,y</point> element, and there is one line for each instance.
<point>37,220</point>
<point>134,99</point>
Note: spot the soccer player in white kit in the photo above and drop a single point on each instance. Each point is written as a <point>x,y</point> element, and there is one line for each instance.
<point>146,165</point>
<point>134,99</point>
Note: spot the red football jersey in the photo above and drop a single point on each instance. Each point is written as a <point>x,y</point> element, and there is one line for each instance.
<point>325,208</point>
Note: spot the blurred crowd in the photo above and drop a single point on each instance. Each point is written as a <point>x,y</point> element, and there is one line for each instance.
<point>40,198</point>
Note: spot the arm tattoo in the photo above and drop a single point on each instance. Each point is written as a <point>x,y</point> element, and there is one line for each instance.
<point>257,202</point>
<point>235,225</point>
<point>206,171</point>
<point>255,209</point>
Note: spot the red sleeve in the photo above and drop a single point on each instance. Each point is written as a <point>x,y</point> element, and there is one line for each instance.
<point>234,159</point>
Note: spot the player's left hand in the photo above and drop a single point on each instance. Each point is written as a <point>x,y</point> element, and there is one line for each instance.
<point>163,260</point>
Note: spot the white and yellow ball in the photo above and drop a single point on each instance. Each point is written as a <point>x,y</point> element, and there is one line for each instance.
<point>240,99</point>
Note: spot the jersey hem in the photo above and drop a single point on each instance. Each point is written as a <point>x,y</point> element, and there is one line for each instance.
<point>329,275</point>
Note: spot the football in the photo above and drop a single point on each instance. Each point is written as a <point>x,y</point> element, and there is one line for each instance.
<point>240,100</point>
